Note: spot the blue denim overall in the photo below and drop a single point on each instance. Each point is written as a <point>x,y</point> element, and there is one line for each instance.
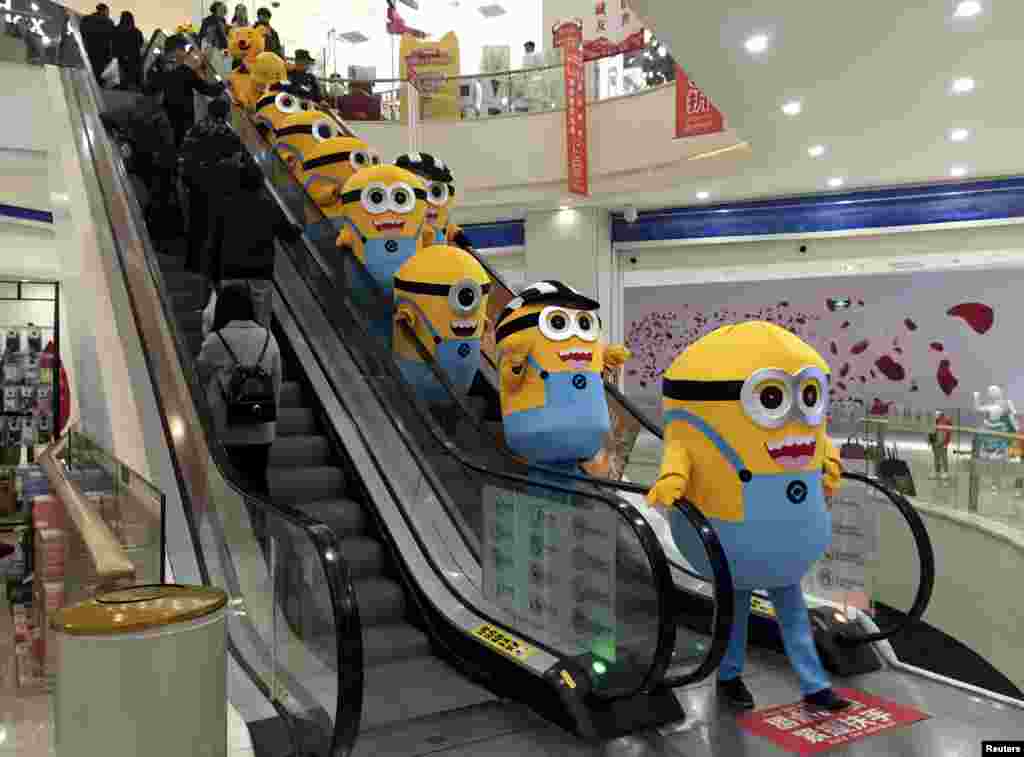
<point>786,527</point>
<point>458,358</point>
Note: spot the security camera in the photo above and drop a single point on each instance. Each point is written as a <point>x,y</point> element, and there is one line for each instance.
<point>630,214</point>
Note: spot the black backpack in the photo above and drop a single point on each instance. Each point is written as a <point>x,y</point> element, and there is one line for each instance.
<point>249,395</point>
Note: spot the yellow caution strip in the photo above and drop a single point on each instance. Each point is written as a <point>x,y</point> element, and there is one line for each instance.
<point>505,643</point>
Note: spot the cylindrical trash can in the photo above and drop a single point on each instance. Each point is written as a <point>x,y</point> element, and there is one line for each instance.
<point>142,672</point>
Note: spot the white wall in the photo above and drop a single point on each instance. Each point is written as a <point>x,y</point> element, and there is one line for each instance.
<point>150,15</point>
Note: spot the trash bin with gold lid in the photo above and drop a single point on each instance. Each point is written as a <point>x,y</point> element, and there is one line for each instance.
<point>142,671</point>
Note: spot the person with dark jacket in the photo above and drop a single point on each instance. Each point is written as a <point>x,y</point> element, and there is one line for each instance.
<point>214,29</point>
<point>272,43</point>
<point>206,157</point>
<point>98,36</point>
<point>303,79</point>
<point>127,49</point>
<point>179,82</point>
<point>237,339</point>
<point>246,225</point>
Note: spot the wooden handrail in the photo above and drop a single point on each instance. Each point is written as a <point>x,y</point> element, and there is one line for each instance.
<point>943,427</point>
<point>108,556</point>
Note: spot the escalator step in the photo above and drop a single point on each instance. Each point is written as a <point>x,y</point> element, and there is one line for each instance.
<point>295,420</point>
<point>401,641</point>
<point>343,516</point>
<point>190,322</point>
<point>187,300</point>
<point>172,263</point>
<point>295,485</point>
<point>300,450</point>
<point>365,556</point>
<point>291,394</point>
<point>381,601</point>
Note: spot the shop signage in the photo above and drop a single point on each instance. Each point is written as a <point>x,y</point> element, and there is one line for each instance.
<point>40,16</point>
<point>551,564</point>
<point>611,30</point>
<point>696,115</point>
<point>569,36</point>
<point>806,731</point>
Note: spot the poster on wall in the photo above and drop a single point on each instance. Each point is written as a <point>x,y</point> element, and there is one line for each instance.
<point>696,115</point>
<point>569,37</point>
<point>611,29</point>
<point>433,67</point>
<point>924,340</point>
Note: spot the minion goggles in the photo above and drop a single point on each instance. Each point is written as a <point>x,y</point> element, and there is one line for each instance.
<point>770,397</point>
<point>557,323</point>
<point>379,198</point>
<point>464,296</point>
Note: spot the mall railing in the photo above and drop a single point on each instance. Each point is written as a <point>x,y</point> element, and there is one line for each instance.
<point>643,619</point>
<point>237,538</point>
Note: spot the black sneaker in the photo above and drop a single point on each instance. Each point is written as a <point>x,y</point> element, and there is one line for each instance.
<point>736,693</point>
<point>826,699</point>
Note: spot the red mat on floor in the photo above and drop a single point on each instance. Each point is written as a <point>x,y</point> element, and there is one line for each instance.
<point>804,730</point>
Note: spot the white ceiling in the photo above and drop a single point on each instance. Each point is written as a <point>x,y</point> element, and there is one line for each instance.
<point>874,79</point>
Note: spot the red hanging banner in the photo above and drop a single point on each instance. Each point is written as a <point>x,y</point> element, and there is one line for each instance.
<point>569,36</point>
<point>696,115</point>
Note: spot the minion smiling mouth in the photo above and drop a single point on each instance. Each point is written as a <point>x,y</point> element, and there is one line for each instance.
<point>384,226</point>
<point>243,45</point>
<point>578,359</point>
<point>463,329</point>
<point>793,452</point>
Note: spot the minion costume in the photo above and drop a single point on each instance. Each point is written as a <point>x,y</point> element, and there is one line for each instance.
<point>266,70</point>
<point>440,197</point>
<point>383,213</point>
<point>323,173</point>
<point>278,101</point>
<point>300,133</point>
<point>244,44</point>
<point>441,293</point>
<point>551,358</point>
<point>745,441</point>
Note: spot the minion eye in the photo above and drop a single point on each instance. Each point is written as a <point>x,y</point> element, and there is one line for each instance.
<point>437,193</point>
<point>322,131</point>
<point>465,297</point>
<point>810,395</point>
<point>359,159</point>
<point>304,104</point>
<point>375,199</point>
<point>813,401</point>
<point>586,327</point>
<point>771,397</point>
<point>403,199</point>
<point>286,104</point>
<point>767,397</point>
<point>374,159</point>
<point>556,324</point>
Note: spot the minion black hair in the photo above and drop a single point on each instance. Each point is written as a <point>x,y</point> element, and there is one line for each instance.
<point>427,166</point>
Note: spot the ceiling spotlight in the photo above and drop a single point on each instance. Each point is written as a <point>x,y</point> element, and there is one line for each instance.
<point>756,44</point>
<point>967,9</point>
<point>703,195</point>
<point>835,182</point>
<point>962,85</point>
<point>957,171</point>
<point>792,108</point>
<point>563,207</point>
<point>816,151</point>
<point>959,135</point>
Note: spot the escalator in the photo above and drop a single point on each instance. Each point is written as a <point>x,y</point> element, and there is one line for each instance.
<point>359,585</point>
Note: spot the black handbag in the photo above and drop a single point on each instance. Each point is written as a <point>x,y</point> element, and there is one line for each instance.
<point>895,473</point>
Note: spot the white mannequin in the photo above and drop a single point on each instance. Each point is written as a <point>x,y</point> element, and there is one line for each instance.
<point>1000,415</point>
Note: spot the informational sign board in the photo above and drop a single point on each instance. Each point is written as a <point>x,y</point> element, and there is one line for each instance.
<point>552,565</point>
<point>696,115</point>
<point>612,29</point>
<point>569,37</point>
<point>433,67</point>
<point>805,731</point>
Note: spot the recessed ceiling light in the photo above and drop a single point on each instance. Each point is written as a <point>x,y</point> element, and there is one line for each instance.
<point>967,8</point>
<point>835,182</point>
<point>491,11</point>
<point>703,195</point>
<point>354,38</point>
<point>563,207</point>
<point>962,85</point>
<point>957,171</point>
<point>959,135</point>
<point>816,151</point>
<point>756,44</point>
<point>792,108</point>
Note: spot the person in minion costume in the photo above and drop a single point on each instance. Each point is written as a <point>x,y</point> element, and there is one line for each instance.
<point>550,358</point>
<point>244,44</point>
<point>441,294</point>
<point>323,174</point>
<point>745,412</point>
<point>383,215</point>
<point>278,101</point>
<point>299,134</point>
<point>440,197</point>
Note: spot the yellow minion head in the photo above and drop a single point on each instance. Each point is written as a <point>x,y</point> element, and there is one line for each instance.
<point>245,43</point>
<point>440,186</point>
<point>763,392</point>
<point>266,69</point>
<point>331,163</point>
<point>382,202</point>
<point>301,132</point>
<point>277,103</point>
<point>441,292</point>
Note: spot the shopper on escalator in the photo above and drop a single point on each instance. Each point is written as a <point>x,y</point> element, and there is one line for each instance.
<point>127,49</point>
<point>303,78</point>
<point>179,85</point>
<point>272,42</point>
<point>236,339</point>
<point>209,153</point>
<point>98,37</point>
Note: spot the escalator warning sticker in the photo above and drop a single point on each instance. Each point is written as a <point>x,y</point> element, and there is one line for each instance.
<point>503,642</point>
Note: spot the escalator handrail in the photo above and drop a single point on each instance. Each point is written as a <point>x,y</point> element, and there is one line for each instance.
<point>329,553</point>
<point>646,537</point>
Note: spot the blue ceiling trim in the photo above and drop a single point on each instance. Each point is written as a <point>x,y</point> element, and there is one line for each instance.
<point>25,214</point>
<point>488,236</point>
<point>895,206</point>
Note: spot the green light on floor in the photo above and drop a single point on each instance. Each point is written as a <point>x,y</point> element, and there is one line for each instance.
<point>599,667</point>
